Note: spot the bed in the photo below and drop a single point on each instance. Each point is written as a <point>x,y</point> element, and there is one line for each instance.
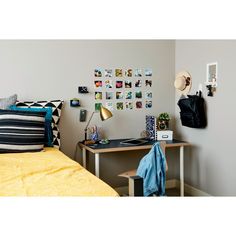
<point>48,173</point>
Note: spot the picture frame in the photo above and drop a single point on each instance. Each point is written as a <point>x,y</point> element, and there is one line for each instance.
<point>212,74</point>
<point>75,102</point>
<point>82,89</point>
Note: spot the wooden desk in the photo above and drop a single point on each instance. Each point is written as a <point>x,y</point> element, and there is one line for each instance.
<point>115,146</point>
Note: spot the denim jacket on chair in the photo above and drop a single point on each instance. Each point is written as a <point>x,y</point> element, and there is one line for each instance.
<point>152,168</point>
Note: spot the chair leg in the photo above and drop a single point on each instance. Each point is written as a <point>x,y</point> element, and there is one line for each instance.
<point>135,186</point>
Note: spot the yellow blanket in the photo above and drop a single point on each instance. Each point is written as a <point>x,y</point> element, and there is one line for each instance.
<point>47,173</point>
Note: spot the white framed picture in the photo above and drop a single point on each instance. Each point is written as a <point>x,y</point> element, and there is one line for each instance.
<point>212,74</point>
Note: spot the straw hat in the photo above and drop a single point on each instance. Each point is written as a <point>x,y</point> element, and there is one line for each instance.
<point>183,82</point>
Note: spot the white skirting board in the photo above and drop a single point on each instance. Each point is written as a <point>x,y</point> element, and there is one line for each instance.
<point>192,191</point>
<point>172,183</point>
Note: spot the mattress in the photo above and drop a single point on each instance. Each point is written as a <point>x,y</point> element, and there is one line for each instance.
<point>48,173</point>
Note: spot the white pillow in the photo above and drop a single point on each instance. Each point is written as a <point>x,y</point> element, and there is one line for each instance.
<point>5,103</point>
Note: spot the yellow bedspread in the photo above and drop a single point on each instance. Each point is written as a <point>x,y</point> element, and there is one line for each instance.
<point>48,173</point>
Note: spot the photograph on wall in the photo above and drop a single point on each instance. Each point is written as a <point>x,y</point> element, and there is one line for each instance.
<point>128,95</point>
<point>138,73</point>
<point>148,83</point>
<point>119,106</point>
<point>109,95</point>
<point>148,95</point>
<point>119,84</point>
<point>98,73</point>
<point>138,94</point>
<point>98,95</point>
<point>128,73</point>
<point>109,106</point>
<point>108,72</point>
<point>98,84</point>
<point>119,95</point>
<point>138,83</point>
<point>118,72</point>
<point>148,72</point>
<point>98,106</point>
<point>129,105</point>
<point>128,84</point>
<point>148,104</point>
<point>108,83</point>
<point>139,104</point>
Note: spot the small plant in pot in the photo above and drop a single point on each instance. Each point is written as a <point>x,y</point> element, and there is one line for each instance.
<point>163,121</point>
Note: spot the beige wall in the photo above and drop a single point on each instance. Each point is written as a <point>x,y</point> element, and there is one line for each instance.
<point>49,69</point>
<point>211,163</point>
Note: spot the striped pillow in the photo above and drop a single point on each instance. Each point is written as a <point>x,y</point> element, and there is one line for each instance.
<point>56,106</point>
<point>21,131</point>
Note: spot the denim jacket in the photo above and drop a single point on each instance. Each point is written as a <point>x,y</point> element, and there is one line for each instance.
<point>152,168</point>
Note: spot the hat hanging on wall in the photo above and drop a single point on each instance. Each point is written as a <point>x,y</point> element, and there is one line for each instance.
<point>183,82</point>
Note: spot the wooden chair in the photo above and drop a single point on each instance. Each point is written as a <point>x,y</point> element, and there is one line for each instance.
<point>135,182</point>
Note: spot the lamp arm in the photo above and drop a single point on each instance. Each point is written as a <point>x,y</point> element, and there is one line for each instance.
<point>86,128</point>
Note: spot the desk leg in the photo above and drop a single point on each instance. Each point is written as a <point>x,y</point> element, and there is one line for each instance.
<point>182,171</point>
<point>84,157</point>
<point>97,164</point>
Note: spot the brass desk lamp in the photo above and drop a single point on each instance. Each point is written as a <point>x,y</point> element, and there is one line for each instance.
<point>104,115</point>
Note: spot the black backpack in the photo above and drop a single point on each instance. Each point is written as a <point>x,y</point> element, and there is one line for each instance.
<point>192,111</point>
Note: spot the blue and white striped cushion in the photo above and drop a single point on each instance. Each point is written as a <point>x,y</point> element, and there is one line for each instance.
<point>21,131</point>
<point>56,106</point>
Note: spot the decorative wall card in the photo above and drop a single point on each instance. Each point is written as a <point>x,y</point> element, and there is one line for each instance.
<point>98,95</point>
<point>128,73</point>
<point>138,94</point>
<point>128,84</point>
<point>98,106</point>
<point>108,72</point>
<point>98,84</point>
<point>148,104</point>
<point>138,83</point>
<point>118,72</point>
<point>148,95</point>
<point>119,84</point>
<point>138,73</point>
<point>109,95</point>
<point>129,105</point>
<point>148,72</point>
<point>108,83</point>
<point>119,95</point>
<point>119,106</point>
<point>139,104</point>
<point>128,95</point>
<point>123,89</point>
<point>109,106</point>
<point>148,83</point>
<point>98,73</point>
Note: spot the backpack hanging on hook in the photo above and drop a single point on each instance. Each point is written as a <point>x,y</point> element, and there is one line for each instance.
<point>192,111</point>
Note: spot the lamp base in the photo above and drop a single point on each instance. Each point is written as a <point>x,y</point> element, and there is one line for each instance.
<point>88,142</point>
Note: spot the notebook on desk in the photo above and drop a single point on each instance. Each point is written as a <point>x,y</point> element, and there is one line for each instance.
<point>134,141</point>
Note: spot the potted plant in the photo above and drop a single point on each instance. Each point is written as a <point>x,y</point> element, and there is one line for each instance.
<point>163,121</point>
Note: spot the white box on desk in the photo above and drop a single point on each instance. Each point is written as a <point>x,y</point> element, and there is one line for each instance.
<point>164,135</point>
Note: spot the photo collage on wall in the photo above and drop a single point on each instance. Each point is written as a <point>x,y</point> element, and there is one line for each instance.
<point>123,89</point>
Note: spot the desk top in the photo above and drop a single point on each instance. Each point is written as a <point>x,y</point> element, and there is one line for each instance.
<point>116,146</point>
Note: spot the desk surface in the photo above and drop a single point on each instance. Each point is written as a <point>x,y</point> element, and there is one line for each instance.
<point>115,146</point>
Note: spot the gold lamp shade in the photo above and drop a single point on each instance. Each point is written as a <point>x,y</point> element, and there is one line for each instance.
<point>105,113</point>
